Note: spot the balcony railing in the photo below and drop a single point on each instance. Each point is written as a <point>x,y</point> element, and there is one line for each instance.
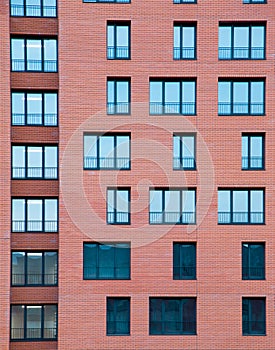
<point>107,272</point>
<point>33,10</point>
<point>34,279</point>
<point>184,272</point>
<point>184,53</point>
<point>172,218</point>
<point>187,108</point>
<point>184,163</point>
<point>33,333</point>
<point>253,273</point>
<point>34,226</point>
<point>240,217</point>
<point>106,163</point>
<point>118,217</point>
<point>21,65</point>
<point>246,53</point>
<point>172,327</point>
<point>252,163</point>
<point>118,108</point>
<point>48,119</point>
<point>34,173</point>
<point>118,52</point>
<point>227,108</point>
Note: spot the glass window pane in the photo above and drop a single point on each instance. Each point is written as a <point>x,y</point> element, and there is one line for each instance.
<point>18,209</point>
<point>176,146</point>
<point>241,37</point>
<point>257,36</point>
<point>257,92</point>
<point>257,201</point>
<point>123,146</point>
<point>224,201</point>
<point>188,146</point>
<point>172,201</point>
<point>156,201</point>
<point>240,201</point>
<point>188,37</point>
<point>110,35</point>
<point>51,209</point>
<point>188,201</point>
<point>122,257</point>
<point>106,146</point>
<point>122,35</point>
<point>34,268</point>
<point>50,321</point>
<point>122,91</point>
<point>172,92</point>
<point>224,91</point>
<point>50,157</point>
<point>240,92</point>
<point>176,36</point>
<point>50,103</point>
<point>34,103</point>
<point>50,268</point>
<point>90,260</point>
<point>17,321</point>
<point>188,91</point>
<point>111,91</point>
<point>35,157</point>
<point>225,37</point>
<point>33,321</point>
<point>245,146</point>
<point>33,8</point>
<point>18,158</point>
<point>50,52</point>
<point>34,55</point>
<point>122,204</point>
<point>256,146</point>
<point>155,91</point>
<point>18,103</point>
<point>111,200</point>
<point>17,49</point>
<point>106,255</point>
<point>18,268</point>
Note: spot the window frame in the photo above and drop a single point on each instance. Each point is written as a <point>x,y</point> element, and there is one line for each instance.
<point>249,212</point>
<point>116,105</point>
<point>190,270</point>
<point>42,323</point>
<point>249,104</point>
<point>43,168</point>
<point>42,8</point>
<point>115,245</point>
<point>108,306</point>
<point>163,221</point>
<point>43,268</point>
<point>181,158</point>
<point>115,158</point>
<point>185,1</point>
<point>246,266</point>
<point>42,199</point>
<point>115,25</point>
<point>249,157</point>
<point>115,213</point>
<point>108,1</point>
<point>249,301</point>
<point>162,322</point>
<point>182,25</point>
<point>254,2</point>
<point>42,53</point>
<point>249,26</point>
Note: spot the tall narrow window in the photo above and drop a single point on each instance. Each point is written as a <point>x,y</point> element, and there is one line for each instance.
<point>184,155</point>
<point>253,261</point>
<point>253,316</point>
<point>184,41</point>
<point>118,96</point>
<point>252,151</point>
<point>118,40</point>
<point>184,261</point>
<point>118,206</point>
<point>118,316</point>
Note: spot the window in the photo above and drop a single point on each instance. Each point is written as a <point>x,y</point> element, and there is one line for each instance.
<point>184,41</point>
<point>184,261</point>
<point>172,206</point>
<point>34,269</point>
<point>172,97</point>
<point>118,206</point>
<point>254,1</point>
<point>253,316</point>
<point>252,151</point>
<point>184,151</point>
<point>253,261</point>
<point>241,206</point>
<point>34,322</point>
<point>107,151</point>
<point>118,40</point>
<point>34,162</point>
<point>106,261</point>
<point>118,96</point>
<point>241,97</point>
<point>35,108</point>
<point>36,55</point>
<point>172,316</point>
<point>33,8</point>
<point>118,316</point>
<point>108,1</point>
<point>185,1</point>
<point>240,41</point>
<point>34,215</point>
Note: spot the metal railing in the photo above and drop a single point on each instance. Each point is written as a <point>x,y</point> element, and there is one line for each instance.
<point>253,53</point>
<point>118,52</point>
<point>184,53</point>
<point>172,327</point>
<point>34,226</point>
<point>19,65</point>
<point>33,10</point>
<point>187,108</point>
<point>252,162</point>
<point>32,279</point>
<point>184,163</point>
<point>118,108</point>
<point>106,163</point>
<point>106,272</point>
<point>33,333</point>
<point>50,119</point>
<point>34,172</point>
<point>172,218</point>
<point>253,273</point>
<point>240,217</point>
<point>118,217</point>
<point>227,108</point>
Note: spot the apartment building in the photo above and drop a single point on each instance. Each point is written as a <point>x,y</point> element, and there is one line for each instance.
<point>137,174</point>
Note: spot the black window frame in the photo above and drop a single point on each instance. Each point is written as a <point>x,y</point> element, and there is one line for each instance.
<point>25,338</point>
<point>115,107</point>
<point>184,269</point>
<point>154,218</point>
<point>44,116</point>
<point>179,163</point>
<point>248,160</point>
<point>26,275</point>
<point>97,276</point>
<point>249,270</point>
<point>163,323</point>
<point>25,60</point>
<point>180,49</point>
<point>231,104</point>
<point>114,53</point>
<point>233,50</point>
<point>112,217</point>
<point>160,108</point>
<point>112,307</point>
<point>227,218</point>
<point>42,7</point>
<point>54,223</point>
<point>26,169</point>
<point>247,322</point>
<point>118,165</point>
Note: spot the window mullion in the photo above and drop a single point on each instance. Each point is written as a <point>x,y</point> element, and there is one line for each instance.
<point>42,55</point>
<point>42,321</point>
<point>115,152</point>
<point>25,55</point>
<point>163,206</point>
<point>249,97</point>
<point>180,99</point>
<point>249,151</point>
<point>26,215</point>
<point>231,207</point>
<point>25,108</point>
<point>249,206</point>
<point>181,41</point>
<point>180,205</point>
<point>232,42</point>
<point>43,269</point>
<point>26,161</point>
<point>25,322</point>
<point>115,39</point>
<point>43,162</point>
<point>98,151</point>
<point>26,268</point>
<point>43,215</point>
<point>163,97</point>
